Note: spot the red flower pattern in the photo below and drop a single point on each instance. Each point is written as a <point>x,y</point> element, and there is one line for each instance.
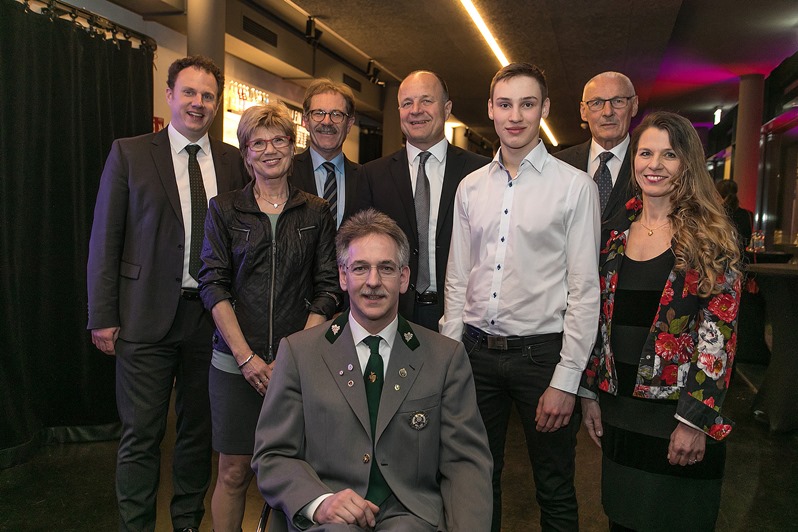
<point>690,283</point>
<point>719,431</point>
<point>667,294</point>
<point>669,374</point>
<point>724,306</point>
<point>666,346</point>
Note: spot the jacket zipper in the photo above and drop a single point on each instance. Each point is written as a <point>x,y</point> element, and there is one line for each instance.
<point>271,291</point>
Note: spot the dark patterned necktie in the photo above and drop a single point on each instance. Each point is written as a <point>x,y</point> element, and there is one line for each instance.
<point>331,190</point>
<point>421,200</point>
<point>199,207</point>
<point>378,489</point>
<point>603,179</point>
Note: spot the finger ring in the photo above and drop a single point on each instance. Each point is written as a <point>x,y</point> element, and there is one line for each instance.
<point>691,462</point>
<point>257,383</point>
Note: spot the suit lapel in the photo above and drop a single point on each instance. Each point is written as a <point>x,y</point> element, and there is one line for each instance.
<point>400,175</point>
<point>221,165</point>
<point>455,161</point>
<point>162,158</point>
<point>620,191</point>
<point>339,358</point>
<point>351,177</point>
<point>302,175</point>
<point>403,368</point>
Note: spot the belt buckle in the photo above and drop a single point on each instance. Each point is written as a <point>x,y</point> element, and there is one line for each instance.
<point>497,342</point>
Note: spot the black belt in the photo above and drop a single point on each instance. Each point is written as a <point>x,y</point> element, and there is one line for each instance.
<point>427,298</point>
<point>503,343</point>
<point>190,294</point>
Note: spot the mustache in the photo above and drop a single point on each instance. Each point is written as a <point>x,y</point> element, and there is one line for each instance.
<point>328,129</point>
<point>373,293</point>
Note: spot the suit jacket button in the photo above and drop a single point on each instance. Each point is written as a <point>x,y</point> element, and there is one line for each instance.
<point>366,458</point>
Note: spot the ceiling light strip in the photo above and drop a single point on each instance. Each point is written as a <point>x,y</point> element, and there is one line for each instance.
<point>497,51</point>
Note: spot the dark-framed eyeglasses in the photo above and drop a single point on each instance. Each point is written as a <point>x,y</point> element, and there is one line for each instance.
<point>386,270</point>
<point>336,117</point>
<point>279,142</point>
<point>617,102</point>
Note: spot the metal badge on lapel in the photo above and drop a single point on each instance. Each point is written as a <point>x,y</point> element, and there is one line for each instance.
<point>418,420</point>
<point>335,329</point>
<point>403,373</point>
<point>408,336</point>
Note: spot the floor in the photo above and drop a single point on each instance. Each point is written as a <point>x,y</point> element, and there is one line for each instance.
<point>71,486</point>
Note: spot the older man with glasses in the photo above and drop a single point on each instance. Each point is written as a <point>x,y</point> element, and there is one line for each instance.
<point>323,169</point>
<point>608,104</point>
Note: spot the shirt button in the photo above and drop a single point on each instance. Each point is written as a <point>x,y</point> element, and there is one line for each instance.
<point>494,294</point>
<point>499,267</point>
<point>511,184</point>
<point>492,322</point>
<point>366,458</point>
<point>505,211</point>
<point>502,239</point>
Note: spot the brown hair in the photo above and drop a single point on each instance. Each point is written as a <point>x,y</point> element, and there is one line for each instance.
<point>200,62</point>
<point>521,69</point>
<point>326,85</point>
<point>703,237</point>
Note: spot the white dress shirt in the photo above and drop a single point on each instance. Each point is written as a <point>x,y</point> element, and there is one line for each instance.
<point>614,164</point>
<point>180,161</point>
<point>387,336</point>
<point>436,167</point>
<point>320,174</point>
<point>524,257</point>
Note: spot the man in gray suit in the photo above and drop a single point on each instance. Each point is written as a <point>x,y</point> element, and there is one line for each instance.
<point>144,306</point>
<point>322,169</point>
<point>608,105</point>
<point>334,447</point>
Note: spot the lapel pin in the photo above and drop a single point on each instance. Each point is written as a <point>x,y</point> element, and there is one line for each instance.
<point>408,336</point>
<point>340,372</point>
<point>335,328</point>
<point>403,373</point>
<point>350,367</point>
<point>350,383</point>
<point>418,420</point>
<point>372,377</point>
<point>396,387</point>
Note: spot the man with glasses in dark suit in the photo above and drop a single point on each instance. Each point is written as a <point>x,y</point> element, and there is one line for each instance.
<point>323,169</point>
<point>608,104</point>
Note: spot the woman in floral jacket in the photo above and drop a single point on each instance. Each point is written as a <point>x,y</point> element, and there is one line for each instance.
<point>670,285</point>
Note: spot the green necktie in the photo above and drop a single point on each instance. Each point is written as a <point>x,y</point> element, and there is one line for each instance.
<point>373,376</point>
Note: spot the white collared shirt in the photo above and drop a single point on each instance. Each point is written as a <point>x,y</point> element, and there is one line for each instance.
<point>614,164</point>
<point>436,167</point>
<point>387,337</point>
<point>178,144</point>
<point>524,257</point>
<point>320,175</point>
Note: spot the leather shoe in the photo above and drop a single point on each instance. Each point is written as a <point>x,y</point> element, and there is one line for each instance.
<point>187,529</point>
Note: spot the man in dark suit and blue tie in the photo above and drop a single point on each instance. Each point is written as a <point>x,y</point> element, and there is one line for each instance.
<point>608,105</point>
<point>144,307</point>
<point>323,169</point>
<point>416,186</point>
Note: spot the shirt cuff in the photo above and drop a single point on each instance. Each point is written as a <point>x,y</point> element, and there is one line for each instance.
<point>691,425</point>
<point>452,328</point>
<point>566,379</point>
<point>310,508</point>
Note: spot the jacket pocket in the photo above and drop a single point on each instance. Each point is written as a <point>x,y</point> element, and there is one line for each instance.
<point>131,271</point>
<point>425,403</point>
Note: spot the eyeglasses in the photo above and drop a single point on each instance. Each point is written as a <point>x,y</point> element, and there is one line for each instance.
<point>336,117</point>
<point>387,270</point>
<point>617,102</point>
<point>259,145</point>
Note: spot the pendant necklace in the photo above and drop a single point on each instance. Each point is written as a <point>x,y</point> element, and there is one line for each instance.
<point>269,201</point>
<point>650,230</point>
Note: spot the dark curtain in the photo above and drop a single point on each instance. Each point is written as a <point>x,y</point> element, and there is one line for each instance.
<point>65,94</point>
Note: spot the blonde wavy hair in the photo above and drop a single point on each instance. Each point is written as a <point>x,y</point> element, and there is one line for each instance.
<point>703,237</point>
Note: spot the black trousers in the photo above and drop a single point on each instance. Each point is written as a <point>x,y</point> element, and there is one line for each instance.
<point>519,377</point>
<point>145,376</point>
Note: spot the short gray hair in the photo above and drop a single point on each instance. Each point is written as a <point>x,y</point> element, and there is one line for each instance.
<point>371,222</point>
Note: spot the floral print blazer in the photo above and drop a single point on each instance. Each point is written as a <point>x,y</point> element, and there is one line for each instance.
<point>689,351</point>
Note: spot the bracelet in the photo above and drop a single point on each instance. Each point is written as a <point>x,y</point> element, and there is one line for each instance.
<point>246,361</point>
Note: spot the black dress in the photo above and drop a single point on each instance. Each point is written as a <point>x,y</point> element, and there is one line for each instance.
<point>640,489</point>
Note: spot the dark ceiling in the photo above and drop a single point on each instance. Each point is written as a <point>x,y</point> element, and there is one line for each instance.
<point>684,56</point>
